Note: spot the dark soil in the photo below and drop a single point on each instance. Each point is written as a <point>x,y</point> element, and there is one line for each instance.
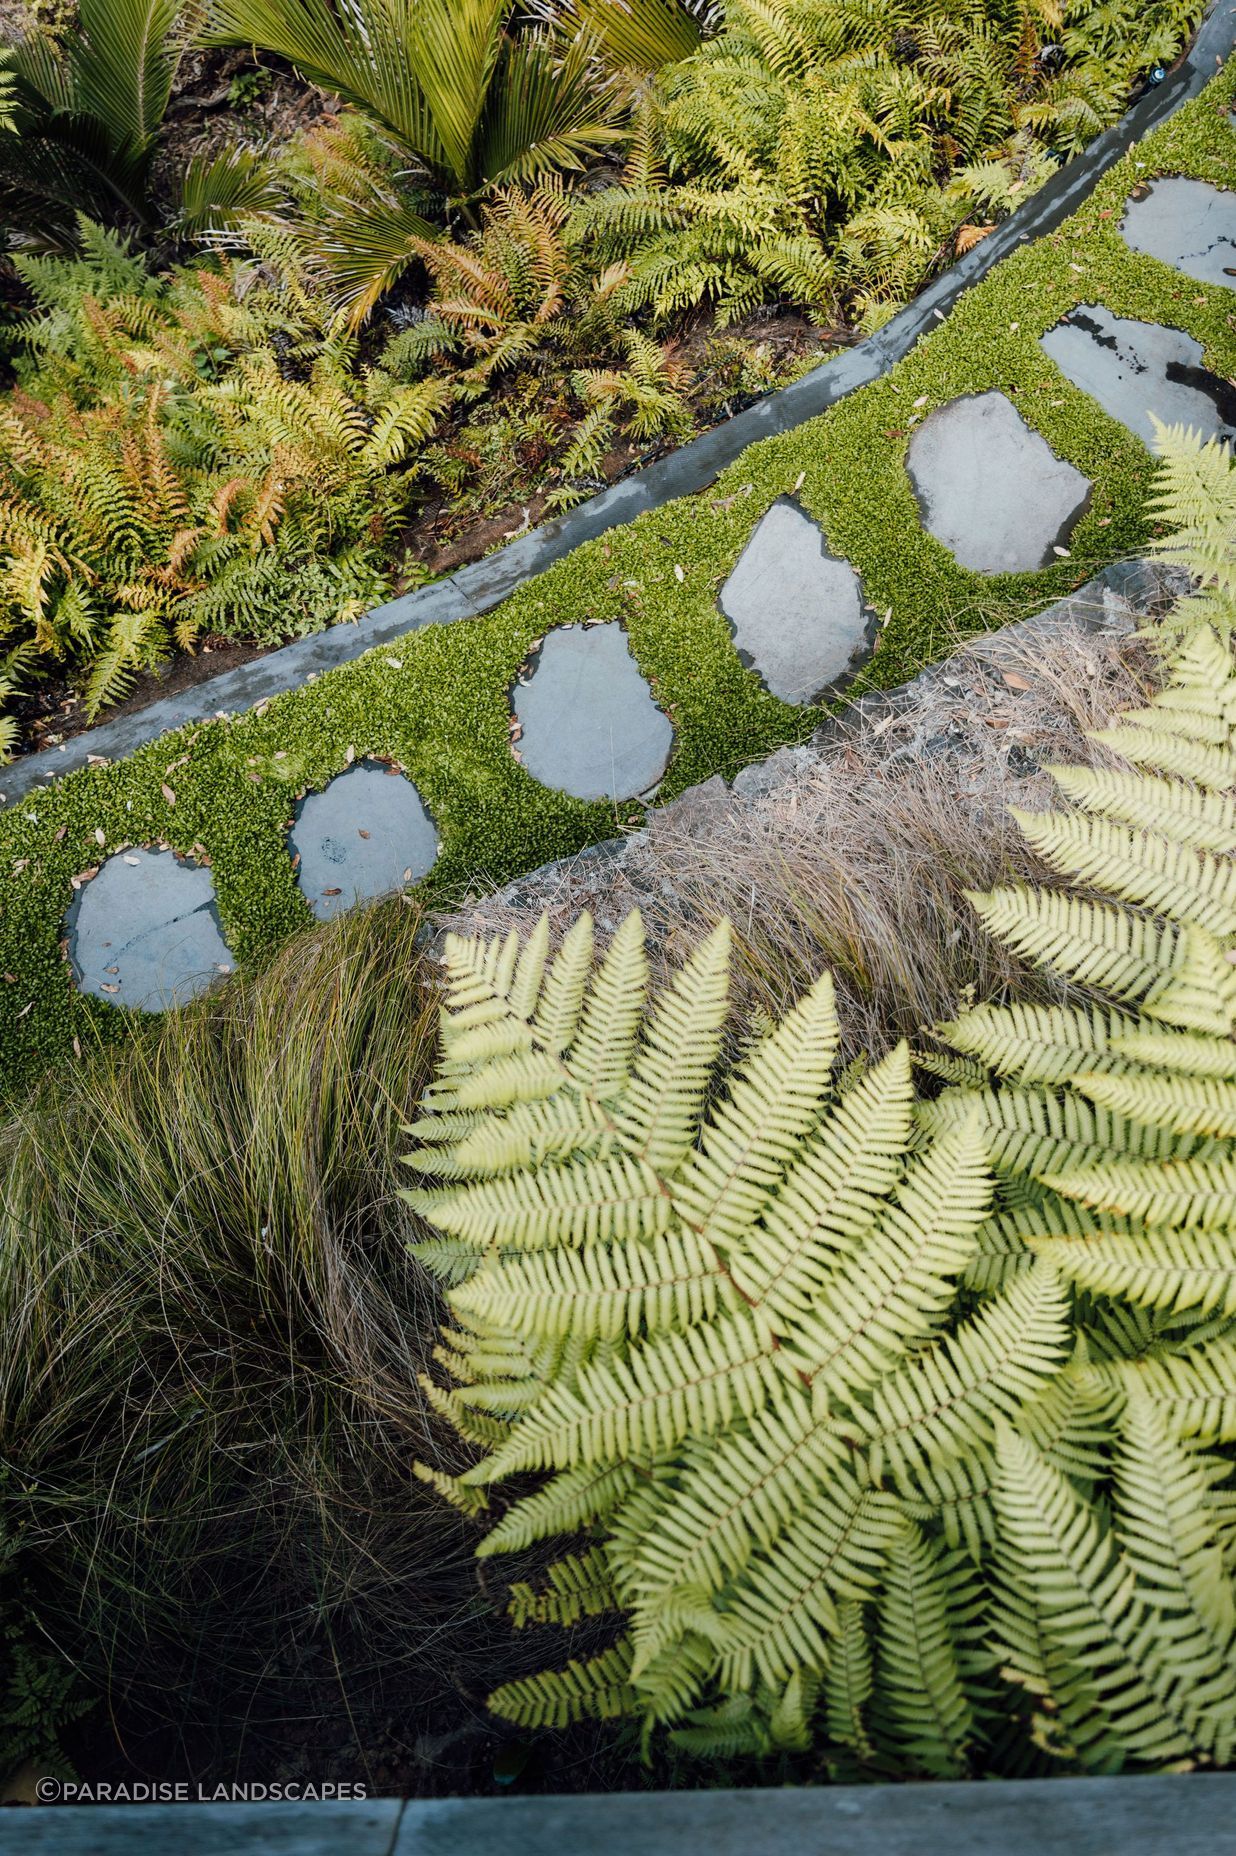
<point>355,1706</point>
<point>224,97</point>
<point>53,712</point>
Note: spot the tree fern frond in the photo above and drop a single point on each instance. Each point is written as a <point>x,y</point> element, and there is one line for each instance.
<point>1096,944</point>
<point>1182,1104</point>
<point>831,1196</point>
<point>924,1710</point>
<point>953,1394</point>
<point>566,1503</point>
<point>849,1681</point>
<point>1037,1043</point>
<point>598,1690</point>
<point>659,1113</point>
<point>1159,1269</point>
<point>677,1384</point>
<point>579,1586</point>
<point>891,1294</point>
<point>755,1134</point>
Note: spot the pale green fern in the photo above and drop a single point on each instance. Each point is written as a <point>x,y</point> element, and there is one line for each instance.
<point>910,1449</point>
<point>729,1329</point>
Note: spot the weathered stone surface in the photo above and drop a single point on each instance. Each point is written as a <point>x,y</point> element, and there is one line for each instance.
<point>145,932</point>
<point>990,489</point>
<point>364,835</point>
<point>1188,224</point>
<point>1135,369</point>
<point>797,611</point>
<point>588,722</point>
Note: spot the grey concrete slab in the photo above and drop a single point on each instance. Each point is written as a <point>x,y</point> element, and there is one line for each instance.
<point>484,584</point>
<point>364,835</point>
<point>588,723</point>
<point>1188,224</point>
<point>144,932</point>
<point>305,1827</point>
<point>1153,1814</point>
<point>1148,1816</point>
<point>1136,369</point>
<point>993,491</point>
<point>797,611</point>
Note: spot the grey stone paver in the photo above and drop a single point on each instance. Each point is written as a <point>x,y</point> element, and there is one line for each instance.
<point>364,835</point>
<point>145,933</point>
<point>992,490</point>
<point>587,719</point>
<point>797,611</point>
<point>1188,224</point>
<point>1135,369</point>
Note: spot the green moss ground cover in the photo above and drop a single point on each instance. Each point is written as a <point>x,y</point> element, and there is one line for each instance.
<point>438,701</point>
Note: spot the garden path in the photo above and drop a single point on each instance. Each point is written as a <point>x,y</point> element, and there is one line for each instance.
<point>143,930</point>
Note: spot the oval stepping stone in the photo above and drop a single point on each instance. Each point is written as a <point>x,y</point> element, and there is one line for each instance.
<point>1134,369</point>
<point>145,931</point>
<point>1188,224</point>
<point>797,611</point>
<point>364,835</point>
<point>990,489</point>
<point>588,722</point>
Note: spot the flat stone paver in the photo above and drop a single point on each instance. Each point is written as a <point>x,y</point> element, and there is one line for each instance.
<point>145,932</point>
<point>1134,369</point>
<point>364,835</point>
<point>1188,224</point>
<point>993,491</point>
<point>588,723</point>
<point>797,611</point>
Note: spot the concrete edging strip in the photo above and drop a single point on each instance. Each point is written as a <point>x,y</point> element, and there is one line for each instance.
<point>1151,1815</point>
<point>485,583</point>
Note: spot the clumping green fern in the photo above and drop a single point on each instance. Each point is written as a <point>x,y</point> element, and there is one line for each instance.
<point>895,1431</point>
<point>189,456</point>
<point>833,151</point>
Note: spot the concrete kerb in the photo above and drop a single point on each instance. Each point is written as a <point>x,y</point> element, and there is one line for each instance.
<point>1155,1814</point>
<point>485,583</point>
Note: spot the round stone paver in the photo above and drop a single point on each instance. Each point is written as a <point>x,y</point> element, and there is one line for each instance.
<point>990,489</point>
<point>588,722</point>
<point>1188,224</point>
<point>797,611</point>
<point>364,835</point>
<point>145,931</point>
<point>1136,369</point>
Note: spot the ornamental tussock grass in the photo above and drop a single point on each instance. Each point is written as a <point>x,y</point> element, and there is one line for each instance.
<point>856,852</point>
<point>208,1389</point>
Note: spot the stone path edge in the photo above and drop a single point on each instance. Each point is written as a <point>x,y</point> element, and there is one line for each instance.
<point>1148,587</point>
<point>484,584</point>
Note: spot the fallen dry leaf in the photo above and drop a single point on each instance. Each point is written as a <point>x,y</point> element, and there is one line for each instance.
<point>168,794</point>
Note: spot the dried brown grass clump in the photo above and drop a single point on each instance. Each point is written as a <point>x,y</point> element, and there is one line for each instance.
<point>856,854</point>
<point>213,1331</point>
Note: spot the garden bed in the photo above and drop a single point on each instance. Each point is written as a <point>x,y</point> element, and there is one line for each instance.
<point>436,701</point>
